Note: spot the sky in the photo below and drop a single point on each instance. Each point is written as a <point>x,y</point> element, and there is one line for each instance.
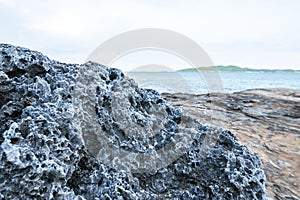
<point>248,33</point>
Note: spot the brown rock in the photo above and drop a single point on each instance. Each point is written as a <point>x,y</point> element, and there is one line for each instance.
<point>266,120</point>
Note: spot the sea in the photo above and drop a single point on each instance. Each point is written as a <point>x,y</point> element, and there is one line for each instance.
<point>208,82</point>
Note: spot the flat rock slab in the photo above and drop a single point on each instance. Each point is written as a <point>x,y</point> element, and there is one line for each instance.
<point>266,120</point>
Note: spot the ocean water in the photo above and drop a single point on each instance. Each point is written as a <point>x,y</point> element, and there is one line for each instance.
<point>199,83</point>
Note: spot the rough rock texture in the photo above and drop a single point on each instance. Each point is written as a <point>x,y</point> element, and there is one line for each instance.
<point>45,155</point>
<point>266,120</point>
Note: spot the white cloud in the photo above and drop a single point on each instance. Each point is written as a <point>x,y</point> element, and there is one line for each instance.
<point>10,3</point>
<point>70,30</point>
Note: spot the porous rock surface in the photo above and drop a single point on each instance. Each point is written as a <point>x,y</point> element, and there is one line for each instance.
<point>44,155</point>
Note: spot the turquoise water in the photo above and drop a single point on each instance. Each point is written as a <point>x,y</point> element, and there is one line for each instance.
<point>193,82</point>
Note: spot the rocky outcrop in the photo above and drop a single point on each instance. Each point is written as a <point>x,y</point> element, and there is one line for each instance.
<point>87,131</point>
<point>266,120</point>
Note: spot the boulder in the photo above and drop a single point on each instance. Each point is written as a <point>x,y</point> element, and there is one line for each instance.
<point>87,131</point>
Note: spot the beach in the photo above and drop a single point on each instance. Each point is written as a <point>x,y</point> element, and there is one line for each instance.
<point>267,121</point>
<point>156,100</point>
<point>137,143</point>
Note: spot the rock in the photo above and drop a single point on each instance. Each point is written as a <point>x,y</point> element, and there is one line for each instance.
<point>62,137</point>
<point>266,122</point>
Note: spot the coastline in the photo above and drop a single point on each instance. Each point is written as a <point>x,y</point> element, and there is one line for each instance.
<point>265,120</point>
<point>50,136</point>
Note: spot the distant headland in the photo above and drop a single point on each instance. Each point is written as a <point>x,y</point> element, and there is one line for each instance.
<point>233,68</point>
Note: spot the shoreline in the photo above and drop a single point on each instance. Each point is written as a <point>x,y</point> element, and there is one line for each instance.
<point>265,120</point>
<point>51,129</point>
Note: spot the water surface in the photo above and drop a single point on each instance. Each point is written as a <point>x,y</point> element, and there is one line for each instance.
<point>193,82</point>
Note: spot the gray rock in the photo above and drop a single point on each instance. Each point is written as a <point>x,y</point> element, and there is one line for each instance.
<point>50,149</point>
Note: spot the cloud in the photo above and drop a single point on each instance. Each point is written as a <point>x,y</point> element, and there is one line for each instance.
<point>228,30</point>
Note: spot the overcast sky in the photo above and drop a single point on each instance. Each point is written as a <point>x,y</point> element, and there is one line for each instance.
<point>257,34</point>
